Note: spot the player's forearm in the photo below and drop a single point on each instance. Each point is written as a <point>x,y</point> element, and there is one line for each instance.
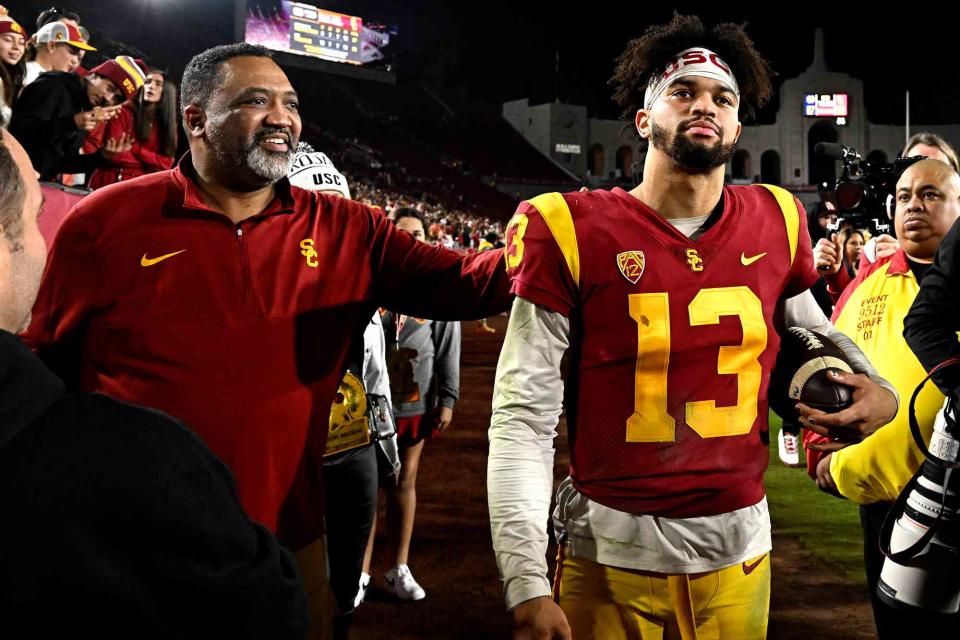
<point>519,484</point>
<point>803,311</point>
<point>526,408</point>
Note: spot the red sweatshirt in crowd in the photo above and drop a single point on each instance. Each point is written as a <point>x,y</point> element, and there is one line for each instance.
<point>240,330</point>
<point>143,158</point>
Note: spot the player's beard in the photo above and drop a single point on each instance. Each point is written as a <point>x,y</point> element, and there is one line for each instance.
<point>691,155</point>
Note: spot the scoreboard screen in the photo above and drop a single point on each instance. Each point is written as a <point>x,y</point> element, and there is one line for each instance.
<point>325,34</point>
<point>304,29</point>
<point>825,105</point>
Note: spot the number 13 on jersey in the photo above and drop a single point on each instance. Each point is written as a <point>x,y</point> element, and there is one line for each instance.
<point>514,251</point>
<point>650,421</point>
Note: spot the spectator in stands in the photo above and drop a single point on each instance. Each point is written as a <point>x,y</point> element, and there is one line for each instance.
<point>486,242</point>
<point>932,146</point>
<point>871,312</point>
<point>58,48</point>
<point>821,218</point>
<point>12,65</point>
<point>852,241</point>
<point>144,134</point>
<point>120,521</point>
<point>424,369</point>
<point>54,14</point>
<point>55,113</point>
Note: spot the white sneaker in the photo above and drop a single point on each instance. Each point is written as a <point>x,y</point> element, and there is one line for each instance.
<point>403,585</point>
<point>788,448</point>
<point>362,591</point>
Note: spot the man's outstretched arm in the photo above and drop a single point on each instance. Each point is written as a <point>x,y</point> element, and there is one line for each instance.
<point>424,281</point>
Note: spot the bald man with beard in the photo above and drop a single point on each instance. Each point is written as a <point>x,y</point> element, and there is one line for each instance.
<point>871,311</point>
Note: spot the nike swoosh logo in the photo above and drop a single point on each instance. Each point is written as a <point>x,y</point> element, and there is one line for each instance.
<point>748,568</point>
<point>745,261</point>
<point>149,262</point>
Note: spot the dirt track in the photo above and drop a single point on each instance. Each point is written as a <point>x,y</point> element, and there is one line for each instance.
<point>452,559</point>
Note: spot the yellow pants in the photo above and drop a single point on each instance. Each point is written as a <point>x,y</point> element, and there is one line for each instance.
<point>608,603</point>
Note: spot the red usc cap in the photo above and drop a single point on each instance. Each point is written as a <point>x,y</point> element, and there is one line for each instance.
<point>124,72</point>
<point>9,25</point>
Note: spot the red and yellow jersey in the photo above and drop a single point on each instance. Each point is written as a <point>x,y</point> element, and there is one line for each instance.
<point>672,340</point>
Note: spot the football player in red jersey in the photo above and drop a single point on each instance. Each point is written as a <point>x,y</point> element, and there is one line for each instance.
<point>666,302</point>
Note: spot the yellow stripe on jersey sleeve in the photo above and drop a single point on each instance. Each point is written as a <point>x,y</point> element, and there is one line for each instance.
<point>791,215</point>
<point>559,220</point>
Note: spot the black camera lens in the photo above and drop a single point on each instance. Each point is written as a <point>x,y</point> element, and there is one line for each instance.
<point>849,195</point>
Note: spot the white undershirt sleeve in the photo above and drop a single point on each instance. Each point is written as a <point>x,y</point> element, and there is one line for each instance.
<point>527,402</point>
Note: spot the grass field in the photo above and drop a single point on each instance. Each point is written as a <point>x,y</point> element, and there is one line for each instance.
<point>827,526</point>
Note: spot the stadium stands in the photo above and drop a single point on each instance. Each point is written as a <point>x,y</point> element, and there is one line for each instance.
<point>451,151</point>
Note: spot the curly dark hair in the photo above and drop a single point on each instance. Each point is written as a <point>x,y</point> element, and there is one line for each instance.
<point>659,45</point>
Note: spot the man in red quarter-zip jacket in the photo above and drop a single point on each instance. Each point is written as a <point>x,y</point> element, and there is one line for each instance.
<point>223,296</point>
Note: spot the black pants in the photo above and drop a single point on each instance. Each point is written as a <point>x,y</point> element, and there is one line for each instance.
<point>350,482</point>
<point>896,624</point>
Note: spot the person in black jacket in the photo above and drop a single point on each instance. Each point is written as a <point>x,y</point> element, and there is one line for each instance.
<point>55,113</point>
<point>117,520</point>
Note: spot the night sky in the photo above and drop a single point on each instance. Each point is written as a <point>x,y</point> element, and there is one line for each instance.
<point>496,51</point>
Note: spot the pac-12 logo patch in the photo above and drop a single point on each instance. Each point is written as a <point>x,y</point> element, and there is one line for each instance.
<point>631,265</point>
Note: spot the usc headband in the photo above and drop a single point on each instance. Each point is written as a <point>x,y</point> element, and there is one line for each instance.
<point>696,61</point>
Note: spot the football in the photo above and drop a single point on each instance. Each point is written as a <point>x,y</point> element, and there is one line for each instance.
<point>801,374</point>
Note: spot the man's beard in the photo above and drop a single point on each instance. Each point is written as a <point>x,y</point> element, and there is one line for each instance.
<point>690,155</point>
<point>270,166</point>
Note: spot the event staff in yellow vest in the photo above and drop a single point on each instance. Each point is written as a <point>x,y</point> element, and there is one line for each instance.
<point>871,312</point>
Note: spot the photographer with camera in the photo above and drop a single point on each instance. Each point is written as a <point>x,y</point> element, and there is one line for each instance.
<point>871,311</point>
<point>928,145</point>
